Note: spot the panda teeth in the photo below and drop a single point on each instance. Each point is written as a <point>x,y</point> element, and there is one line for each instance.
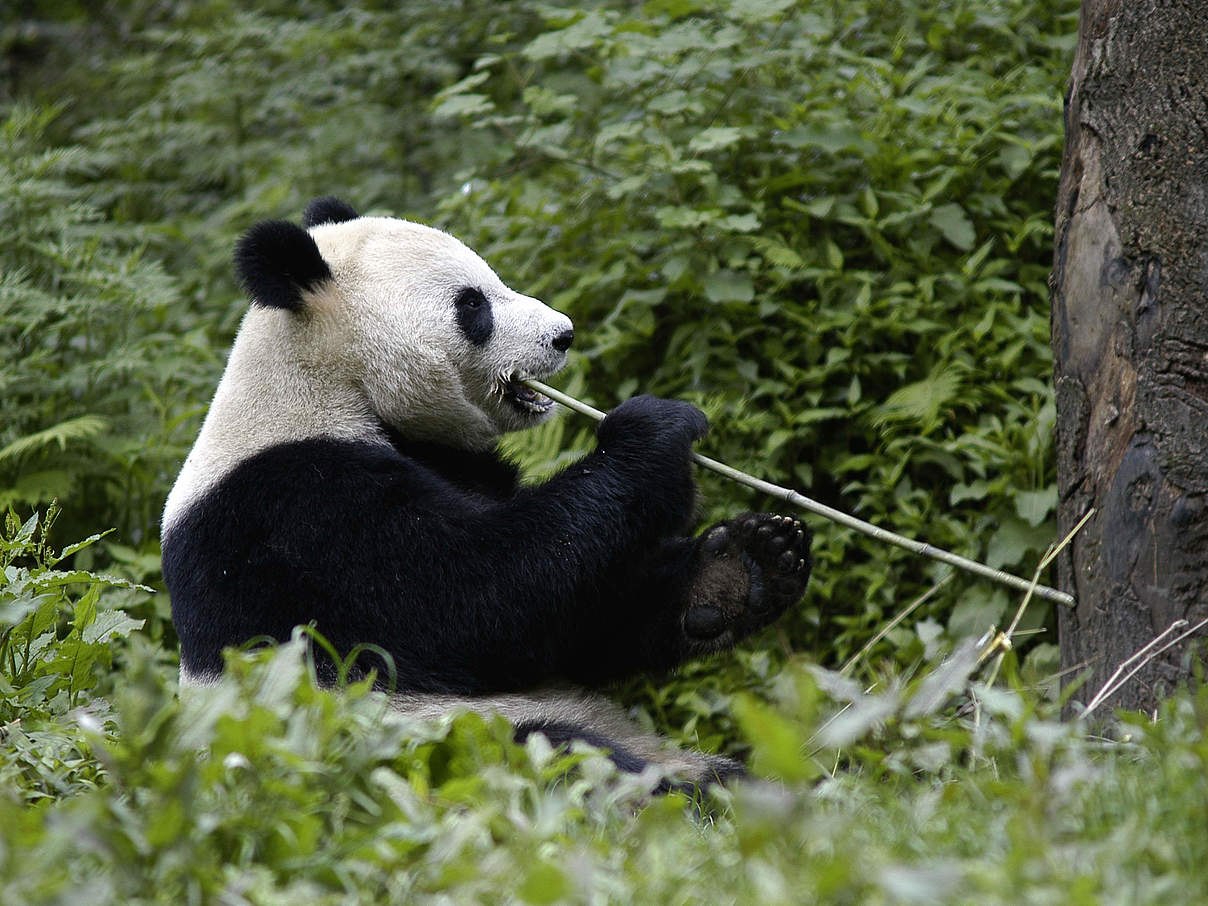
<point>525,397</point>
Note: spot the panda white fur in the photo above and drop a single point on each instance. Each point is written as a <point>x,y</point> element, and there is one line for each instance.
<point>346,475</point>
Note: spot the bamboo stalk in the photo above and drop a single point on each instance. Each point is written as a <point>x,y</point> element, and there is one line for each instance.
<point>788,495</point>
<point>1145,654</point>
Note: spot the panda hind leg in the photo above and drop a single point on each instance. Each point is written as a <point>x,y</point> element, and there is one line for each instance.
<point>749,570</point>
<point>600,722</point>
<point>561,735</point>
<point>688,772</point>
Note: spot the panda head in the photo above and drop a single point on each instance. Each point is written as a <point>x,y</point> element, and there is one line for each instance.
<point>404,318</point>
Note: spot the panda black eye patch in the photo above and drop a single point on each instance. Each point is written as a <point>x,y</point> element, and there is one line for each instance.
<point>474,315</point>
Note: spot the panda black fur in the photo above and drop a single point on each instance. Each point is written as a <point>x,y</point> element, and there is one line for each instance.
<point>346,474</point>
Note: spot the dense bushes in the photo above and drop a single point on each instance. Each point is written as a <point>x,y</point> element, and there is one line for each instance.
<point>830,232</point>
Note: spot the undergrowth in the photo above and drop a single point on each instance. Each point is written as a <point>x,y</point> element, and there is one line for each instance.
<point>933,787</point>
<point>828,224</point>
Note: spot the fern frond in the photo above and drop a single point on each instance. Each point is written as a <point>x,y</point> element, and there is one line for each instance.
<point>72,429</point>
<point>921,401</point>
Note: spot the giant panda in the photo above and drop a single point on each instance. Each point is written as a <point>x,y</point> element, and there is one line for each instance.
<point>346,475</point>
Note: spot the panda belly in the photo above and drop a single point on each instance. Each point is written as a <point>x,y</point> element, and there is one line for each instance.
<point>345,535</point>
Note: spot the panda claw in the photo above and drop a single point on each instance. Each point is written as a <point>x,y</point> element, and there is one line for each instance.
<point>716,540</point>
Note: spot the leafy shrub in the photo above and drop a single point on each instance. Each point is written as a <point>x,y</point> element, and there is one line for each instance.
<point>98,364</point>
<point>56,651</point>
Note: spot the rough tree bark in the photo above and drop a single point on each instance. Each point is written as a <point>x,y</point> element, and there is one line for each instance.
<point>1130,338</point>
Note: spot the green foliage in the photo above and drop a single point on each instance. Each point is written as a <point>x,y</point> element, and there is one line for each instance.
<point>262,789</point>
<point>56,651</point>
<point>93,378</point>
<point>826,224</point>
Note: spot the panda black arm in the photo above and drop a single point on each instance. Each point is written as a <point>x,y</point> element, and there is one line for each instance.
<point>579,577</point>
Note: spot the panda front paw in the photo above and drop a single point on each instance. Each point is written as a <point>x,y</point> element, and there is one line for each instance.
<point>646,442</point>
<point>749,570</point>
<point>651,424</point>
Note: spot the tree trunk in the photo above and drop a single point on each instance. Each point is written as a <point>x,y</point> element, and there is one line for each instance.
<point>1130,340</point>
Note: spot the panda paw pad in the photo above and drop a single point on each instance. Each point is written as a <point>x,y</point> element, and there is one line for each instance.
<point>750,569</point>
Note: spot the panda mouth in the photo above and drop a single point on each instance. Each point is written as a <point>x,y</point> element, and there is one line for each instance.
<point>525,398</point>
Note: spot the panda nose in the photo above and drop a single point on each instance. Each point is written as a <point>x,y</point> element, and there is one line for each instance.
<point>563,340</point>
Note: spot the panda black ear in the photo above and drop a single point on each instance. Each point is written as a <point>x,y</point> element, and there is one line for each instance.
<point>327,210</point>
<point>277,262</point>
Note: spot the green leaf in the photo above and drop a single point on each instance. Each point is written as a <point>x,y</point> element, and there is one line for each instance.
<point>544,883</point>
<point>682,218</point>
<point>830,138</point>
<point>955,225</point>
<point>80,545</point>
<point>463,105</point>
<point>1034,507</point>
<point>777,743</point>
<point>757,10</point>
<point>978,608</point>
<point>834,255</point>
<point>582,35</point>
<point>728,286</point>
<point>777,253</point>
<point>1014,540</point>
<point>921,401</point>
<point>976,490</point>
<point>738,223</point>
<point>61,434</point>
<point>715,137</point>
<point>111,624</point>
<point>85,611</point>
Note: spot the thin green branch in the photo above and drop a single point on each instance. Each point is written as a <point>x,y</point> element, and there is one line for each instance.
<point>888,627</point>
